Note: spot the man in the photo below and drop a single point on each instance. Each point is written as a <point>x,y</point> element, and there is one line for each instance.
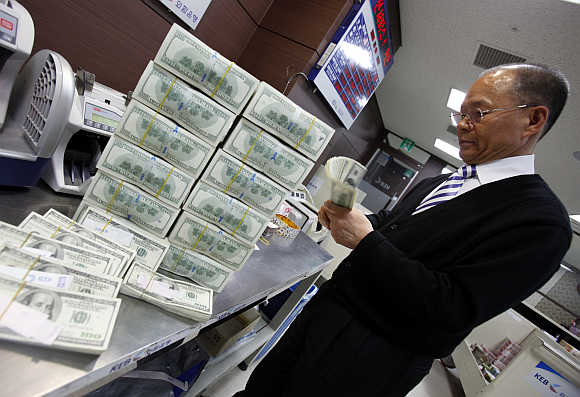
<point>457,251</point>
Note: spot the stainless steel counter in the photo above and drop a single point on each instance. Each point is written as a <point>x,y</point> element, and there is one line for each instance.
<point>141,328</point>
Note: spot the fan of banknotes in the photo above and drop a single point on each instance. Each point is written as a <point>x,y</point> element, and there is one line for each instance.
<point>344,175</point>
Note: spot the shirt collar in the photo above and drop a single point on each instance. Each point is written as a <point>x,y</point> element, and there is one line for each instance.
<point>505,168</point>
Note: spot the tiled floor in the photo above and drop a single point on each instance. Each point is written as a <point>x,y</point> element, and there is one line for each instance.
<point>438,383</point>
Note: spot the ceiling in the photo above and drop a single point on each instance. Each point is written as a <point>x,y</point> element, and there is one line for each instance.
<point>440,40</point>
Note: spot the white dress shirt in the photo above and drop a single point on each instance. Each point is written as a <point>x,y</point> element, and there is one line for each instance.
<point>494,171</point>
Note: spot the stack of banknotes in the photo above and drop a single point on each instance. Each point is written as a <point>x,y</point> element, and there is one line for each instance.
<point>59,283</point>
<point>344,175</point>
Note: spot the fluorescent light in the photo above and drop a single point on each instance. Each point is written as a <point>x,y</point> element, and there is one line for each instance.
<point>447,148</point>
<point>447,170</point>
<point>576,218</point>
<point>455,99</point>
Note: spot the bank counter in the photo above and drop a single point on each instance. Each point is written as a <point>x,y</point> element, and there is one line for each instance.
<point>143,329</point>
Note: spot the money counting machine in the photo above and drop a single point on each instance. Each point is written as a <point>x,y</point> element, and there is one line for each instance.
<point>58,123</point>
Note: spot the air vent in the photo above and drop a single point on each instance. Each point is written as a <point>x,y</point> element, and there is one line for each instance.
<point>488,57</point>
<point>39,109</point>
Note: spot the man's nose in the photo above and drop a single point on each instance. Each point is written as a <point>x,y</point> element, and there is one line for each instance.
<point>465,124</point>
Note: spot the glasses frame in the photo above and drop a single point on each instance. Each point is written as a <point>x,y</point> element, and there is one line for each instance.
<point>483,113</point>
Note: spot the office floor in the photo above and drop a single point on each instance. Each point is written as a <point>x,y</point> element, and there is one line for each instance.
<point>439,383</point>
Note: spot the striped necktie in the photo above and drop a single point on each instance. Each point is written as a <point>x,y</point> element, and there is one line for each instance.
<point>449,189</point>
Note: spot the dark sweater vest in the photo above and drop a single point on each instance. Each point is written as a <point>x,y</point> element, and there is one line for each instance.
<point>426,281</point>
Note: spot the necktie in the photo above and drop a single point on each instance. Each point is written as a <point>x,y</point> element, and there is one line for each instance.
<point>449,189</point>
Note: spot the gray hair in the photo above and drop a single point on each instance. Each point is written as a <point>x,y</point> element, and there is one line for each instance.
<point>539,84</point>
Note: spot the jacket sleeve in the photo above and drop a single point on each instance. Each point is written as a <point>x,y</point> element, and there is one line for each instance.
<point>498,273</point>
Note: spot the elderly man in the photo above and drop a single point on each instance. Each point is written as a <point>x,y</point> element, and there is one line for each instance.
<point>457,251</point>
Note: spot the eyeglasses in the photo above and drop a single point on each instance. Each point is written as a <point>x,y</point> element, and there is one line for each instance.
<point>475,116</point>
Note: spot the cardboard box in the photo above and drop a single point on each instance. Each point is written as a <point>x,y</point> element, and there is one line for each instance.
<point>218,339</point>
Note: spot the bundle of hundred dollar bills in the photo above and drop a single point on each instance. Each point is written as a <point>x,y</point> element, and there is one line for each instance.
<point>344,175</point>
<point>58,284</point>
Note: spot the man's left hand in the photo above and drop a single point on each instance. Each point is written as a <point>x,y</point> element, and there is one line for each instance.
<point>347,227</point>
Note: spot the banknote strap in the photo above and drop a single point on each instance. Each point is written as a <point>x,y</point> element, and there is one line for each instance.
<point>241,221</point>
<point>19,289</point>
<point>306,134</point>
<point>234,178</point>
<point>156,112</point>
<point>26,239</point>
<point>106,225</point>
<point>71,224</point>
<point>147,286</point>
<point>252,146</point>
<point>221,80</point>
<point>164,182</point>
<point>193,247</point>
<point>114,196</point>
<point>55,232</point>
<point>243,163</point>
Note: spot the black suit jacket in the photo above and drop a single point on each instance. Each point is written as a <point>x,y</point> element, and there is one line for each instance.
<point>426,281</point>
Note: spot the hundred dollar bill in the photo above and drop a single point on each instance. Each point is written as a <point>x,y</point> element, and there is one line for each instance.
<point>149,249</point>
<point>345,175</point>
<point>91,261</point>
<point>271,110</point>
<point>68,277</point>
<point>255,147</point>
<point>242,182</point>
<point>186,299</point>
<point>81,322</point>
<point>232,215</point>
<point>131,203</point>
<point>67,223</point>
<point>197,267</point>
<point>150,173</point>
<point>161,136</point>
<point>191,232</point>
<point>35,223</point>
<point>196,63</point>
<point>163,92</point>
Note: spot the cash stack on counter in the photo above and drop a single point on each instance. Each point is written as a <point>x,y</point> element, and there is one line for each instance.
<point>59,284</point>
<point>183,106</point>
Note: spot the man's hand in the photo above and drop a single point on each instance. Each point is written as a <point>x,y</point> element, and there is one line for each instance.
<point>347,227</point>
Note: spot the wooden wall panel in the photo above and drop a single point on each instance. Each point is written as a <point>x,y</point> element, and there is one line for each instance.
<point>112,39</point>
<point>309,22</point>
<point>227,28</point>
<point>256,8</point>
<point>273,58</point>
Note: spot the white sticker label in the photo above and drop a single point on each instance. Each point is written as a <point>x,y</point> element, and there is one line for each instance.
<point>113,233</point>
<point>163,289</point>
<point>30,323</point>
<point>53,280</point>
<point>36,251</point>
<point>142,280</point>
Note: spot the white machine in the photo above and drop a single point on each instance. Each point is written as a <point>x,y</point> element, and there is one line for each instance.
<point>58,122</point>
<point>16,40</point>
<point>92,118</point>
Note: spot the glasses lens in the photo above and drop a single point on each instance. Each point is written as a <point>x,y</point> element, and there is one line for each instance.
<point>474,115</point>
<point>456,117</point>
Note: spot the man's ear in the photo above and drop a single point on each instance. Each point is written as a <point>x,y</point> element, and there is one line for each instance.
<point>538,117</point>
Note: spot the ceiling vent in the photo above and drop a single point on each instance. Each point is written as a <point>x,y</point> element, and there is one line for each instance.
<point>488,57</point>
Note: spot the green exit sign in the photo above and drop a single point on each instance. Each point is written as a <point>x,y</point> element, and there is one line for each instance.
<point>407,144</point>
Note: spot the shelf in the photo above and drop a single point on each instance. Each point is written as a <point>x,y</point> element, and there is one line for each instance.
<point>213,372</point>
